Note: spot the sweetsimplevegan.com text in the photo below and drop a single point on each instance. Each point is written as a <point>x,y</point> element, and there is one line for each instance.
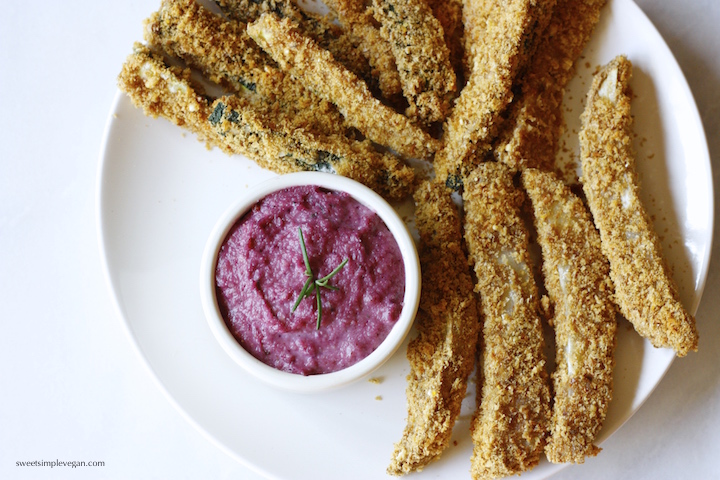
<point>59,463</point>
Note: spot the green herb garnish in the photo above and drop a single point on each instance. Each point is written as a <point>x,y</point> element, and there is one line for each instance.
<point>312,284</point>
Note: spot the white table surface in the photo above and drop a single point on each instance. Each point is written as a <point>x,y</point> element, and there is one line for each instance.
<point>73,388</point>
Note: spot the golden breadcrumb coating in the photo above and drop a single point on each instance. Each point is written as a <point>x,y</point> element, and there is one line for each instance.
<point>581,293</point>
<point>318,27</point>
<point>417,40</point>
<point>283,148</point>
<point>305,60</point>
<point>237,126</point>
<point>442,355</point>
<point>359,22</point>
<point>475,14</point>
<point>530,136</point>
<point>511,422</point>
<point>644,289</point>
<point>508,40</point>
<point>449,13</point>
<point>226,55</point>
<point>246,11</point>
<point>161,91</point>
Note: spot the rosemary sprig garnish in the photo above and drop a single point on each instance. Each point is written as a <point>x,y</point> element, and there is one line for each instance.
<point>312,284</point>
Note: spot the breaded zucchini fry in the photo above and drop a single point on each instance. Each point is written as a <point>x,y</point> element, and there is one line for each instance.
<point>281,148</point>
<point>531,134</point>
<point>161,91</point>
<point>221,50</point>
<point>246,11</point>
<point>509,39</point>
<point>475,14</point>
<point>442,355</point>
<point>226,55</point>
<point>328,35</point>
<point>644,289</point>
<point>581,292</point>
<point>358,21</point>
<point>423,60</point>
<point>237,126</point>
<point>449,13</point>
<point>305,60</point>
<point>511,422</point>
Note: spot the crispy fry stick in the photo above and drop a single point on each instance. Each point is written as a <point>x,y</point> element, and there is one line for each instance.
<point>246,11</point>
<point>161,91</point>
<point>581,292</point>
<point>507,42</point>
<point>226,55</point>
<point>328,35</point>
<point>285,149</point>
<point>532,132</point>
<point>511,422</point>
<point>359,23</point>
<point>475,14</point>
<point>305,60</point>
<point>644,290</point>
<point>423,60</point>
<point>442,355</point>
<point>221,49</point>
<point>449,13</point>
<point>237,126</point>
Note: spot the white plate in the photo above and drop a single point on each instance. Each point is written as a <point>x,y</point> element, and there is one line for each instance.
<point>160,192</point>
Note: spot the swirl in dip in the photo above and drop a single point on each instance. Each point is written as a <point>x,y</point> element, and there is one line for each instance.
<point>260,273</point>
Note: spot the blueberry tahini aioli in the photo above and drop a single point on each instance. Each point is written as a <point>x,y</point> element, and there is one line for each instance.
<point>260,272</point>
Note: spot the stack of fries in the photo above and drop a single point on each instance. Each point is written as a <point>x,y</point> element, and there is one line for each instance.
<point>474,89</point>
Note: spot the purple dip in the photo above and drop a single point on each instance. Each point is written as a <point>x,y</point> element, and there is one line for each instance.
<point>260,273</point>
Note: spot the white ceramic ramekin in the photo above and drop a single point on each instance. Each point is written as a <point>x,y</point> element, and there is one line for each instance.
<point>327,381</point>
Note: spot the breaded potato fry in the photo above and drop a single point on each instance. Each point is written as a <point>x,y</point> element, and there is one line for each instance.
<point>237,126</point>
<point>305,60</point>
<point>423,60</point>
<point>509,39</point>
<point>442,355</point>
<point>577,280</point>
<point>530,136</point>
<point>644,289</point>
<point>320,28</point>
<point>511,423</point>
<point>358,21</point>
<point>226,55</point>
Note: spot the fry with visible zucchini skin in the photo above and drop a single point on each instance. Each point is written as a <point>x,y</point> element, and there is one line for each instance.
<point>423,60</point>
<point>237,126</point>
<point>222,50</point>
<point>531,135</point>
<point>246,11</point>
<point>442,355</point>
<point>450,15</point>
<point>511,422</point>
<point>305,60</point>
<point>281,148</point>
<point>359,23</point>
<point>512,30</point>
<point>581,293</point>
<point>226,55</point>
<point>161,91</point>
<point>644,289</point>
<point>328,35</point>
